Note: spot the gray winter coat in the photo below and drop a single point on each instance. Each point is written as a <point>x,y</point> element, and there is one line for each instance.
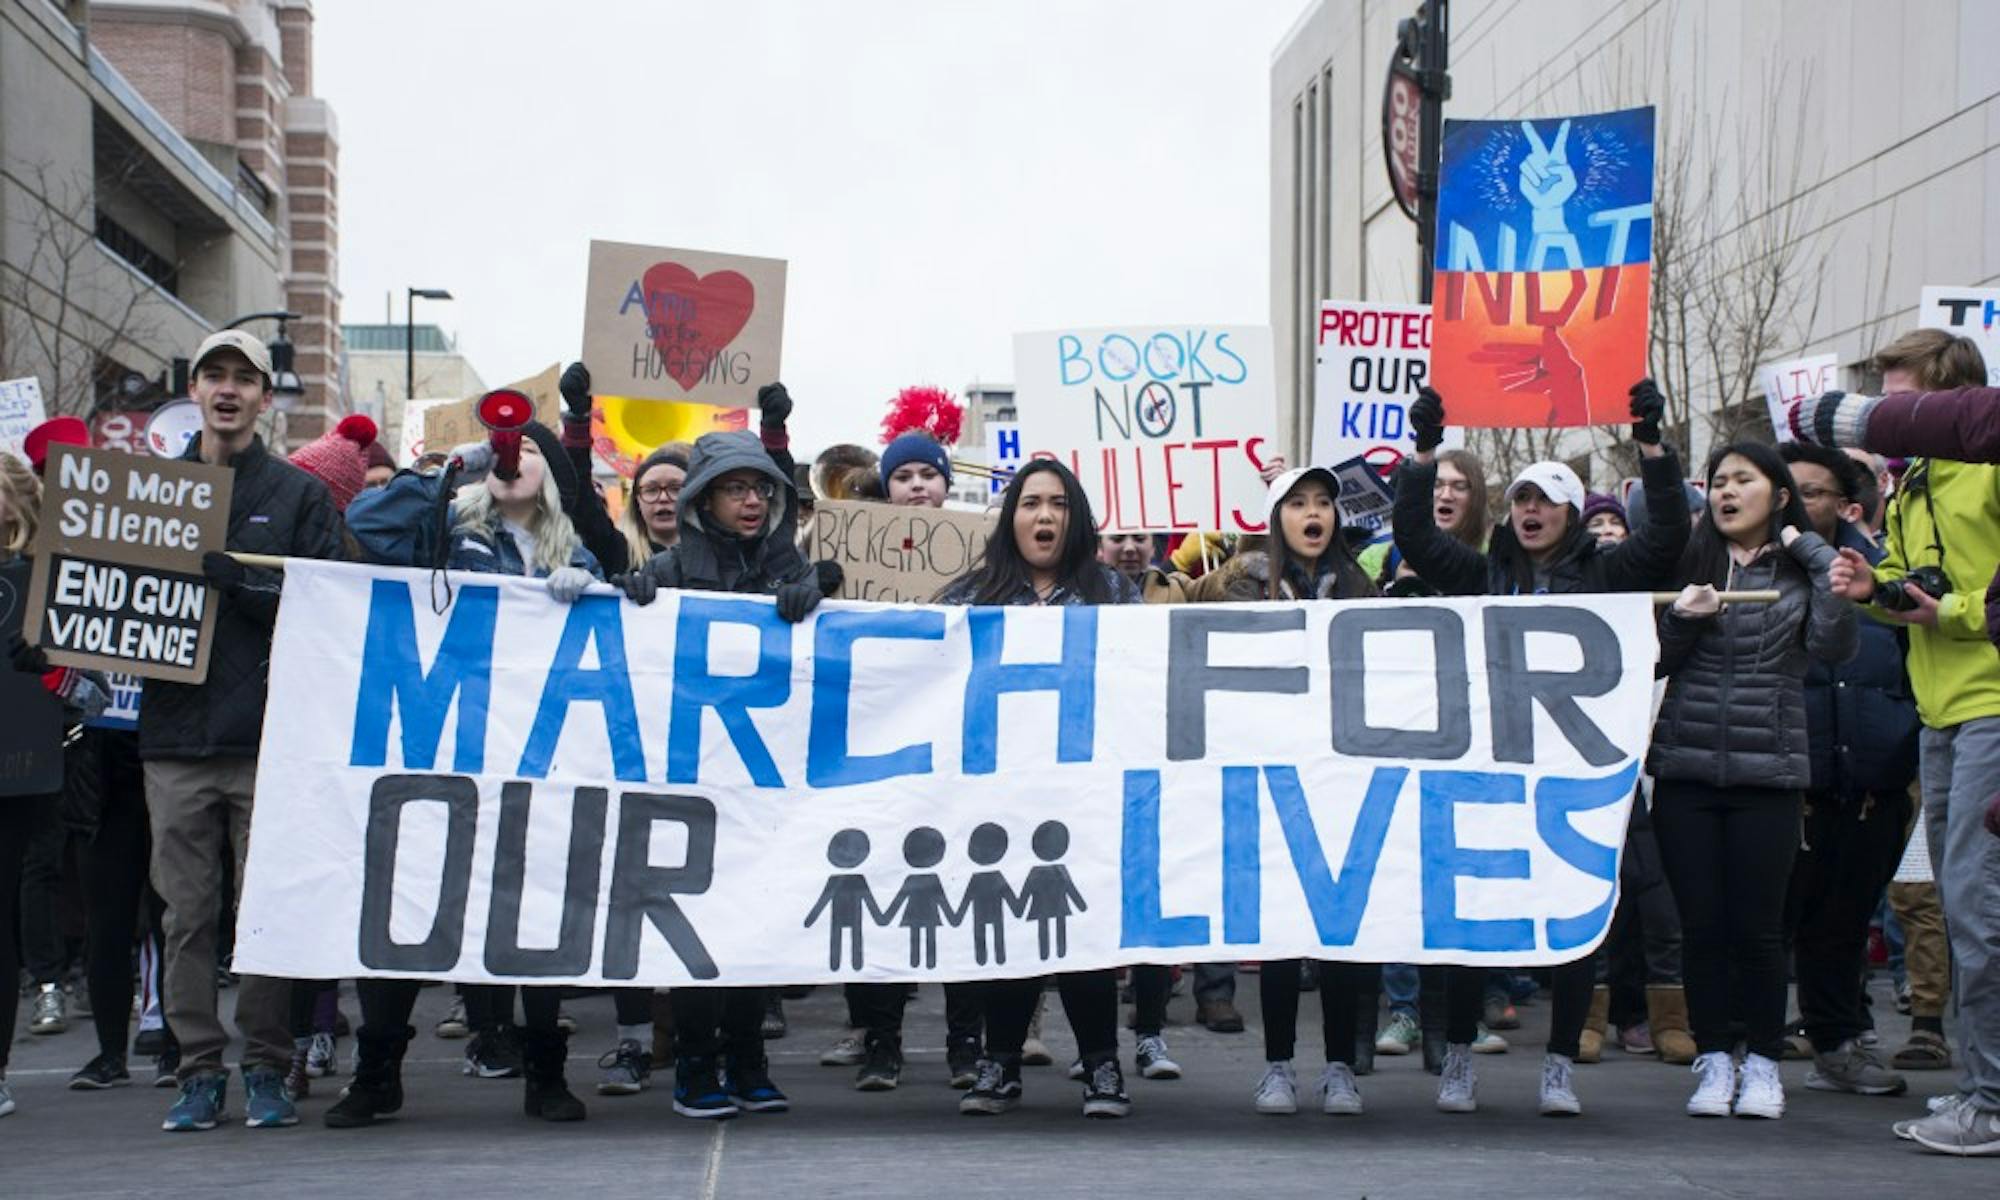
<point>1734,714</point>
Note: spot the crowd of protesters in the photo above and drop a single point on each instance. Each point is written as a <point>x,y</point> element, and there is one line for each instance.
<point>1821,771</point>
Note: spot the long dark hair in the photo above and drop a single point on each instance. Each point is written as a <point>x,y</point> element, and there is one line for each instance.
<point>1706,559</point>
<point>1002,573</point>
<point>1350,581</point>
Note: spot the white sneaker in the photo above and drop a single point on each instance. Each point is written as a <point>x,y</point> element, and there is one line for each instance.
<point>1342,1098</point>
<point>1759,1090</point>
<point>1717,1087</point>
<point>1278,1091</point>
<point>1964,1130</point>
<point>1459,1087</point>
<point>1948,1102</point>
<point>1153,1060</point>
<point>1558,1091</point>
<point>6,1098</point>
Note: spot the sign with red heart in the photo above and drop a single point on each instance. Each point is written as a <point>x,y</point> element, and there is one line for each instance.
<point>682,325</point>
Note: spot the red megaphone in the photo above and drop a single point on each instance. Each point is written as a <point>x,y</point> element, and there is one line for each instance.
<point>505,413</point>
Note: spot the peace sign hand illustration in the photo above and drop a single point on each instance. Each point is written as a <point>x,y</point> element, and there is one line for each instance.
<point>1546,178</point>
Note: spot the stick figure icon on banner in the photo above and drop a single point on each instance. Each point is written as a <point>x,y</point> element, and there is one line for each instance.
<point>845,898</point>
<point>988,896</point>
<point>921,900</point>
<point>1048,891</point>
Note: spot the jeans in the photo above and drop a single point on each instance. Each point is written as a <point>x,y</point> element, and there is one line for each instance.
<point>1214,981</point>
<point>1959,767</point>
<point>1401,983</point>
<point>1728,854</point>
<point>1852,845</point>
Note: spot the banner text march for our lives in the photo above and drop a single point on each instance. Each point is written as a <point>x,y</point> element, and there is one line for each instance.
<point>1166,426</point>
<point>1543,268</point>
<point>696,790</point>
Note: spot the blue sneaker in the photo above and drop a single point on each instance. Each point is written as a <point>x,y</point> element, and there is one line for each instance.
<point>266,1105</point>
<point>751,1088</point>
<point>698,1091</point>
<point>200,1103</point>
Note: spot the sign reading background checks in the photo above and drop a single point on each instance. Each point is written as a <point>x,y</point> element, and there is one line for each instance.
<point>696,790</point>
<point>896,553</point>
<point>118,583</point>
<point>1166,426</point>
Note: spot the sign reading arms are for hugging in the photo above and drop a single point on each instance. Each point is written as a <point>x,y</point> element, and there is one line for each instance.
<point>696,790</point>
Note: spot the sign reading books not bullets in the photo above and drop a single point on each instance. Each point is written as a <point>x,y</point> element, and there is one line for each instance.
<point>118,583</point>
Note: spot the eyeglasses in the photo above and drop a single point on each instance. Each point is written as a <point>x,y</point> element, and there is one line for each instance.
<point>737,489</point>
<point>655,492</point>
<point>1457,487</point>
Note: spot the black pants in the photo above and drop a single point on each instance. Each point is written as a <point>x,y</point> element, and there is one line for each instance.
<point>491,1005</point>
<point>119,899</point>
<point>1341,986</point>
<point>20,817</point>
<point>1643,948</point>
<point>1152,984</point>
<point>1570,986</point>
<point>1851,848</point>
<point>1089,999</point>
<point>1728,854</point>
<point>711,1020</point>
<point>634,1006</point>
<point>1452,1001</point>
<point>44,951</point>
<point>877,1009</point>
<point>313,1006</point>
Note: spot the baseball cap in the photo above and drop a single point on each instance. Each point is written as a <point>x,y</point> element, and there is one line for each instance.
<point>239,341</point>
<point>1282,486</point>
<point>1555,480</point>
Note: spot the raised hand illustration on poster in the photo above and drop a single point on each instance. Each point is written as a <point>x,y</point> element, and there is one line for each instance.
<point>1543,268</point>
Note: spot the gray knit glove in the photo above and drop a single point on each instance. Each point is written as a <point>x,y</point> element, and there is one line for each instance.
<point>1834,419</point>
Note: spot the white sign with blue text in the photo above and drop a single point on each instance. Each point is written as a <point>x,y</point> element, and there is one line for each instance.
<point>695,790</point>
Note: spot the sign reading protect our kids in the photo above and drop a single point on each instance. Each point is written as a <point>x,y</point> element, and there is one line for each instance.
<point>1370,361</point>
<point>1543,268</point>
<point>1166,426</point>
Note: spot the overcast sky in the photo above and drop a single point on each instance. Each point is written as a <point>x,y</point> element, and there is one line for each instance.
<point>940,175</point>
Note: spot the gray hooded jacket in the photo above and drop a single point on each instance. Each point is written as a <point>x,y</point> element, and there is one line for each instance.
<point>713,560</point>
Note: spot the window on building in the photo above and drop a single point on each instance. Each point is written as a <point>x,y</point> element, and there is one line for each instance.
<point>126,245</point>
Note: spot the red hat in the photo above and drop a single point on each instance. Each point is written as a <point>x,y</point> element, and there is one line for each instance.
<point>339,459</point>
<point>68,431</point>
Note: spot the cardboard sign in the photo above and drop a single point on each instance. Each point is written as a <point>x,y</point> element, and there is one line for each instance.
<point>1166,426</point>
<point>518,790</point>
<point>896,553</point>
<point>118,583</point>
<point>687,325</point>
<point>1371,360</point>
<point>1967,312</point>
<point>31,738</point>
<point>457,423</point>
<point>21,409</point>
<point>1796,379</point>
<point>1366,500</point>
<point>1543,269</point>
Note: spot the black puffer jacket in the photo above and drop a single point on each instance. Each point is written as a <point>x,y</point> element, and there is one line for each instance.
<point>274,508</point>
<point>1643,562</point>
<point>714,561</point>
<point>1735,711</point>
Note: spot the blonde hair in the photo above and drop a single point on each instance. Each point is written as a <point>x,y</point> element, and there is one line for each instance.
<point>1939,360</point>
<point>639,539</point>
<point>23,494</point>
<point>556,542</point>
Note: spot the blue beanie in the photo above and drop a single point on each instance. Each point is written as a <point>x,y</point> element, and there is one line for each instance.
<point>918,448</point>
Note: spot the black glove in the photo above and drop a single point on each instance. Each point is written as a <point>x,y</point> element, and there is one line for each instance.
<point>639,586</point>
<point>1427,419</point>
<point>830,576</point>
<point>1649,408</point>
<point>223,571</point>
<point>29,660</point>
<point>775,403</point>
<point>795,600</point>
<point>575,387</point>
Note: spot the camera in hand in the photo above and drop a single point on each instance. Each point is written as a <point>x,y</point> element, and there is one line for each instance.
<point>1930,581</point>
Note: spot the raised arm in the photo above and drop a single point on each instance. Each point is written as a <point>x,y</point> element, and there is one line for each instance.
<point>1962,424</point>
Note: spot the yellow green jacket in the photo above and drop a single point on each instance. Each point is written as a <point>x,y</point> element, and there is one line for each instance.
<point>1956,506</point>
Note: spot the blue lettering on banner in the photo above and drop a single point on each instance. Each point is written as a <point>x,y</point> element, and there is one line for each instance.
<point>1445,862</point>
<point>1073,678</point>
<point>1555,800</point>
<point>1143,924</point>
<point>828,760</point>
<point>591,618</point>
<point>393,678</point>
<point>731,696</point>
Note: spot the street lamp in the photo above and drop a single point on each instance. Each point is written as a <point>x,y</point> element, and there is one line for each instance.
<point>410,335</point>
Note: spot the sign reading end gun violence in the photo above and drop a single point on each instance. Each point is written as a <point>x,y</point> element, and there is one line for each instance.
<point>897,554</point>
<point>118,583</point>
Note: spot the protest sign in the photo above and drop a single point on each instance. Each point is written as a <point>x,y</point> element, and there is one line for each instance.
<point>415,439</point>
<point>1166,426</point>
<point>1371,360</point>
<point>118,583</point>
<point>123,710</point>
<point>1543,268</point>
<point>1003,454</point>
<point>31,738</point>
<point>686,325</point>
<point>456,423</point>
<point>20,410</point>
<point>896,553</point>
<point>1366,500</point>
<point>598,793</point>
<point>1967,312</point>
<point>1796,379</point>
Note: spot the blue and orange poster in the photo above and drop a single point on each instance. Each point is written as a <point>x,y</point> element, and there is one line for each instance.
<point>1543,268</point>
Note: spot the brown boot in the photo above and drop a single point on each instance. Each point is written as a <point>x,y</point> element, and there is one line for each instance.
<point>1590,1047</point>
<point>1667,1015</point>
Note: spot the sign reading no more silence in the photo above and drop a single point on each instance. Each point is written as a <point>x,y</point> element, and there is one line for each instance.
<point>117,583</point>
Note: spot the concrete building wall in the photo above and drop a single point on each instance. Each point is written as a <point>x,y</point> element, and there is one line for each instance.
<point>1894,171</point>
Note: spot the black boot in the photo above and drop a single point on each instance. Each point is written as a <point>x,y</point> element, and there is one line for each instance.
<point>377,1088</point>
<point>548,1094</point>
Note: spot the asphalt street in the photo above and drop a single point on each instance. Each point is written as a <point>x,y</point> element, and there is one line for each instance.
<point>1197,1136</point>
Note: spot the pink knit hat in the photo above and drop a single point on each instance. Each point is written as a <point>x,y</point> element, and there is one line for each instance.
<point>339,459</point>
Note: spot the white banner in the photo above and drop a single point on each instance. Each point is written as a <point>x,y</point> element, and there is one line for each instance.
<point>1166,426</point>
<point>1967,312</point>
<point>601,793</point>
<point>20,410</point>
<point>1369,362</point>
